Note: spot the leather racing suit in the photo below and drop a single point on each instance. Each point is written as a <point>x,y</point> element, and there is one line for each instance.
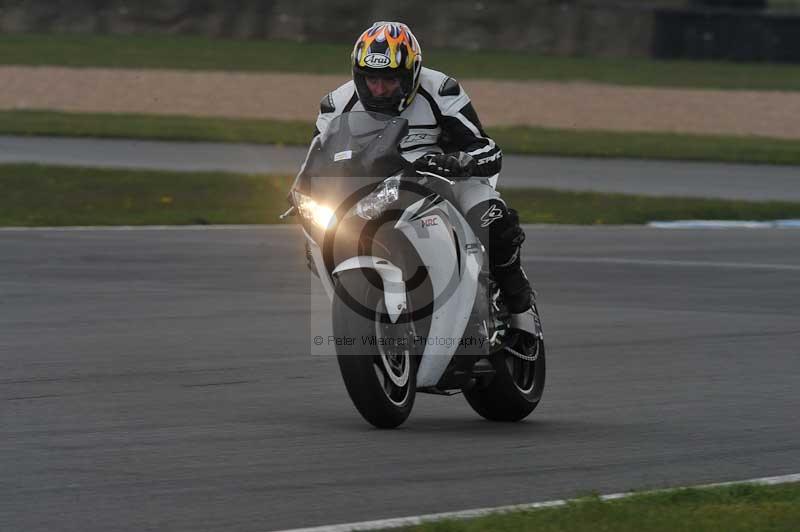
<point>442,120</point>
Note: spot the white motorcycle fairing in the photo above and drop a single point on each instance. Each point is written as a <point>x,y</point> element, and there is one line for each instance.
<point>453,257</point>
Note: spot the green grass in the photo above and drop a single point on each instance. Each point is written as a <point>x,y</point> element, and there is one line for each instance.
<point>199,53</point>
<point>590,208</point>
<point>156,127</point>
<point>645,145</point>
<point>743,508</point>
<point>522,140</point>
<point>32,195</point>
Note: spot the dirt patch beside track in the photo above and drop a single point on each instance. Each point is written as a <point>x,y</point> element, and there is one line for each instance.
<point>296,97</point>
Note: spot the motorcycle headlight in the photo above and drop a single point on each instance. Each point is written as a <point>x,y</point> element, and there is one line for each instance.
<point>313,211</point>
<point>384,195</point>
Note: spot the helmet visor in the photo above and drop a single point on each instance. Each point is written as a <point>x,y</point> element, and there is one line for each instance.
<point>383,86</point>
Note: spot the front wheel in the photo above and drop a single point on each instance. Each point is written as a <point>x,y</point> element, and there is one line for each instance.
<point>375,355</point>
<point>517,386</point>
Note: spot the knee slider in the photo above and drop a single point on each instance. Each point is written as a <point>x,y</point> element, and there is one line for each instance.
<point>497,227</point>
<point>511,230</point>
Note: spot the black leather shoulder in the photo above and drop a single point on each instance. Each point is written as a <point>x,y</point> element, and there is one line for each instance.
<point>326,105</point>
<point>450,87</point>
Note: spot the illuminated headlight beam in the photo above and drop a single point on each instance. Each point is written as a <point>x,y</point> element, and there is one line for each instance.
<point>317,213</point>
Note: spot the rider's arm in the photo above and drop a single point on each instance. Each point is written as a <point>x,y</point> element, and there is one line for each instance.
<point>463,132</point>
<point>462,129</point>
<point>334,104</point>
<point>327,112</point>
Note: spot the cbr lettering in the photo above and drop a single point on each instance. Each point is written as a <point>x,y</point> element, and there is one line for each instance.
<point>416,137</point>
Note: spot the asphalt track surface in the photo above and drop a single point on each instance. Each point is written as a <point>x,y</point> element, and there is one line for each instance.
<point>163,380</point>
<point>654,178</point>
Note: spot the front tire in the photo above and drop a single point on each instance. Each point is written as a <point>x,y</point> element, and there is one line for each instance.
<point>517,386</point>
<point>380,378</point>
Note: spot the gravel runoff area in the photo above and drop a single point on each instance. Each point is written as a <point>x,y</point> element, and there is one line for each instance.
<point>577,105</point>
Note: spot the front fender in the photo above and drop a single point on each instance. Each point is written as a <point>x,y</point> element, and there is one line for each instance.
<point>394,288</point>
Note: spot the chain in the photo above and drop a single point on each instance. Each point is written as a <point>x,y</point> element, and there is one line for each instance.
<point>528,358</point>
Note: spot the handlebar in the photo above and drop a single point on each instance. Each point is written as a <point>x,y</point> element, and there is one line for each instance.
<point>466,164</point>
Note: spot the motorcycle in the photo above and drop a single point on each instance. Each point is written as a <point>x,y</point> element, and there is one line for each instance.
<point>414,307</point>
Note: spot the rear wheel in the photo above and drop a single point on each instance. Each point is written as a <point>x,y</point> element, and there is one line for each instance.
<point>375,356</point>
<point>517,386</point>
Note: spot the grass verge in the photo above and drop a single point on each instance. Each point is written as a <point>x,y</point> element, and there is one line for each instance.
<point>741,508</point>
<point>592,208</point>
<point>33,195</point>
<point>522,140</point>
<point>199,53</point>
<point>643,145</point>
<point>155,127</point>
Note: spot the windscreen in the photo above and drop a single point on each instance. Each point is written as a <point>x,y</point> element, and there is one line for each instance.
<point>355,130</point>
<point>358,145</point>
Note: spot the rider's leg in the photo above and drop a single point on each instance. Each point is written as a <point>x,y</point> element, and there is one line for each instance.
<point>497,227</point>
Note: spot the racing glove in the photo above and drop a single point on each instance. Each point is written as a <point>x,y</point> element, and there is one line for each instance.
<point>450,165</point>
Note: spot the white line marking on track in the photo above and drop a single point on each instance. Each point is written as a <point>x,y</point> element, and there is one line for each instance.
<point>480,512</point>
<point>661,262</point>
<point>76,228</point>
<point>724,224</point>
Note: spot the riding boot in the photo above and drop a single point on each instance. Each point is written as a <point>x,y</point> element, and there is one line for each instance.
<point>513,283</point>
<point>497,227</point>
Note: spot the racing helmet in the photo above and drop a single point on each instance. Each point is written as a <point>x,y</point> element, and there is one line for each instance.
<point>387,50</point>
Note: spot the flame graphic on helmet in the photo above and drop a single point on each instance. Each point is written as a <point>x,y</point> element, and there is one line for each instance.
<point>398,39</point>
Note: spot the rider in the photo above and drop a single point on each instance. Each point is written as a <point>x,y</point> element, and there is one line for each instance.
<point>388,78</point>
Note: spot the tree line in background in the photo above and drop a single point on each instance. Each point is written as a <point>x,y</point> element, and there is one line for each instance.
<point>743,30</point>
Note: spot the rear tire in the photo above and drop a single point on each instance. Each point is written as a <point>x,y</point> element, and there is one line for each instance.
<point>517,386</point>
<point>380,379</point>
